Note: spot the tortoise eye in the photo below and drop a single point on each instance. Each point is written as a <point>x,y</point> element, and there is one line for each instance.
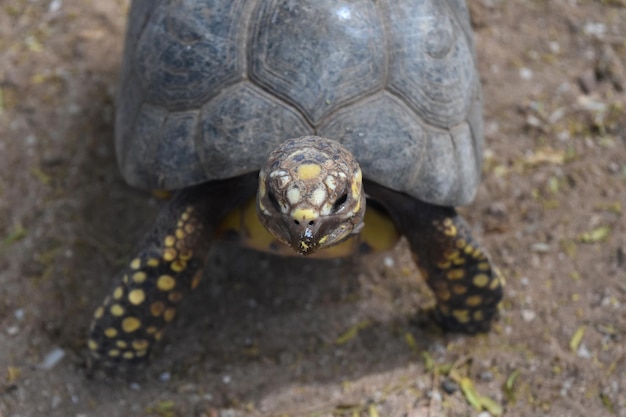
<point>274,201</point>
<point>340,202</point>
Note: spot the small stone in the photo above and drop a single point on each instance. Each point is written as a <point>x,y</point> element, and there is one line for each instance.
<point>165,377</point>
<point>587,82</point>
<point>449,386</point>
<point>226,379</point>
<point>540,247</point>
<point>526,73</point>
<point>484,414</point>
<point>486,376</point>
<point>524,281</point>
<point>583,352</point>
<point>135,386</point>
<point>388,262</point>
<point>13,330</point>
<point>528,315</point>
<point>19,314</point>
<point>52,359</point>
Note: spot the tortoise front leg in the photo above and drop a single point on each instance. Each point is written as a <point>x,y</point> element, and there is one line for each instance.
<point>167,266</point>
<point>457,270</point>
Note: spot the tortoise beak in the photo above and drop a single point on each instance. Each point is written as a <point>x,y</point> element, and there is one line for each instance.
<point>305,242</point>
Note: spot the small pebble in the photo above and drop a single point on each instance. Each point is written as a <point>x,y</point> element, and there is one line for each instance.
<point>19,314</point>
<point>528,315</point>
<point>13,330</point>
<point>165,377</point>
<point>135,386</point>
<point>388,261</point>
<point>449,386</point>
<point>583,352</point>
<point>52,359</point>
<point>540,247</point>
<point>226,379</point>
<point>484,414</point>
<point>486,376</point>
<point>526,73</point>
<point>524,281</point>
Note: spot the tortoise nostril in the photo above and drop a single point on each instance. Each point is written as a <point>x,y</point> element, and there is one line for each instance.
<point>296,222</point>
<point>311,223</point>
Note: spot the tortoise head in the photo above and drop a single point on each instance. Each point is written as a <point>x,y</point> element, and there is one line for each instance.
<point>310,194</point>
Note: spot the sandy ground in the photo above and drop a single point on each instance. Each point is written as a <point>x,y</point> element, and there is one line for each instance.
<point>269,337</point>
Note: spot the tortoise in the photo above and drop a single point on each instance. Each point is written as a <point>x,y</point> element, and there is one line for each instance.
<point>308,110</point>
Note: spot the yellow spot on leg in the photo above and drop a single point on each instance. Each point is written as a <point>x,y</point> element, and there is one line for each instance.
<point>166,283</point>
<point>157,308</point>
<point>461,315</point>
<point>92,345</point>
<point>117,310</point>
<point>178,265</point>
<point>135,263</point>
<point>473,301</point>
<point>121,344</point>
<point>139,277</point>
<point>128,355</point>
<point>114,353</point>
<point>136,296</point>
<point>118,293</point>
<point>110,332</point>
<point>169,254</point>
<point>98,313</point>
<point>140,344</point>
<point>169,241</point>
<point>478,316</point>
<point>130,324</point>
<point>481,280</point>
<point>153,262</point>
<point>456,273</point>
<point>169,314</point>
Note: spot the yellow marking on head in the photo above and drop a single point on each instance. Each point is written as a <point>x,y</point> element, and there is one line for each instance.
<point>457,273</point>
<point>98,313</point>
<point>196,280</point>
<point>117,310</point>
<point>114,352</point>
<point>468,249</point>
<point>135,263</point>
<point>166,283</point>
<point>308,171</point>
<point>459,289</point>
<point>331,182</point>
<point>169,314</point>
<point>92,345</point>
<point>140,344</point>
<point>293,195</point>
<point>178,265</point>
<point>483,266</point>
<point>175,296</point>
<point>139,277</point>
<point>323,239</point>
<point>304,246</point>
<point>152,329</point>
<point>480,280</point>
<point>460,243</point>
<point>356,189</point>
<point>110,332</point>
<point>118,293</point>
<point>130,324</point>
<point>461,315</point>
<point>153,262</point>
<point>262,189</point>
<point>478,316</point>
<point>305,215</point>
<point>169,241</point>
<point>318,196</point>
<point>121,344</point>
<point>169,254</point>
<point>128,355</point>
<point>157,308</point>
<point>180,233</point>
<point>473,301</point>
<point>136,296</point>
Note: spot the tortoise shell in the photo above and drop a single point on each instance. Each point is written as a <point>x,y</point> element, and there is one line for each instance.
<point>210,87</point>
